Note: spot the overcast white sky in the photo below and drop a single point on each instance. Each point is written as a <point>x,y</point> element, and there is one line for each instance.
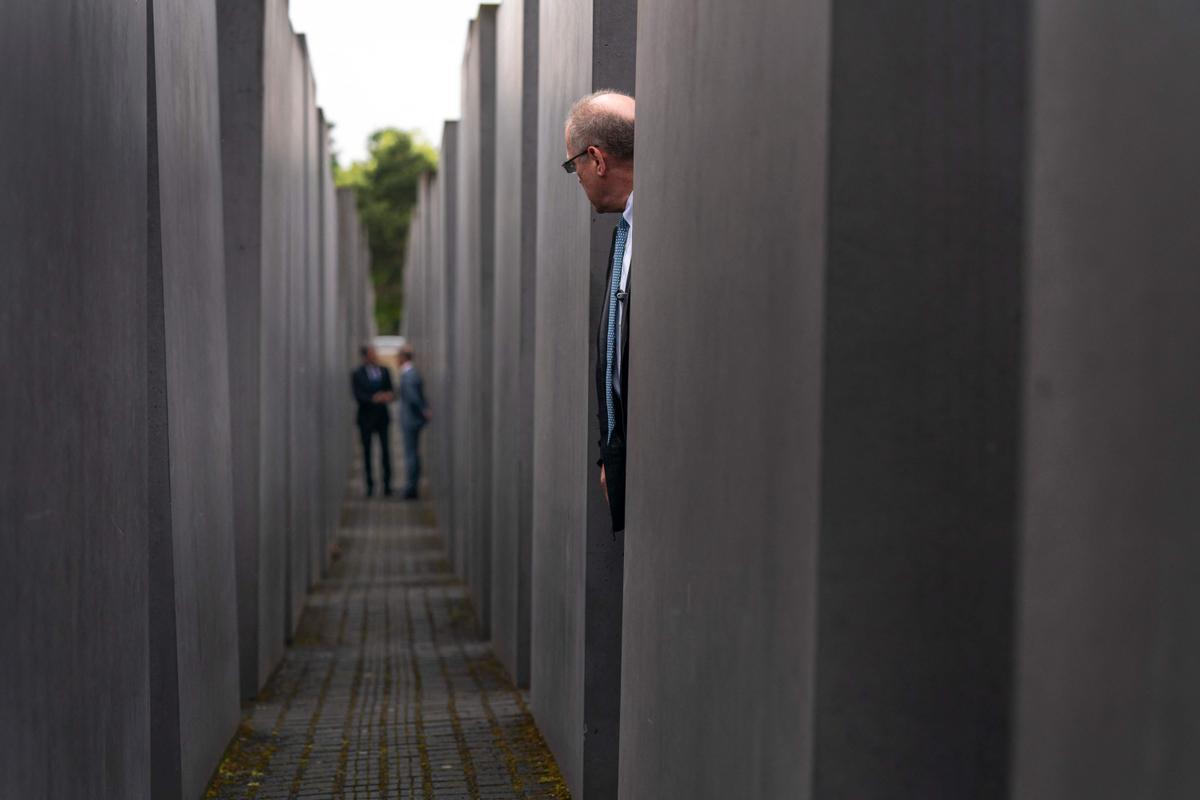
<point>385,63</point>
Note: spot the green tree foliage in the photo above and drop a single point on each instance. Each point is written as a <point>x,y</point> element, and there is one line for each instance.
<point>386,187</point>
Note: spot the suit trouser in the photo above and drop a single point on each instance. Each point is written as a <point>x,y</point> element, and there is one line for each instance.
<point>614,479</point>
<point>412,460</point>
<point>367,432</point>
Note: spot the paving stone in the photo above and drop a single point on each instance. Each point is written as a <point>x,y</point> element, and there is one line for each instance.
<point>387,691</point>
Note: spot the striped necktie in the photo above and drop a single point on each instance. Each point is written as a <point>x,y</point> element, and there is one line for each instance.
<point>617,265</point>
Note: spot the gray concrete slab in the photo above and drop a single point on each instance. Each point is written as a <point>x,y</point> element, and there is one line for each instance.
<point>576,562</point>
<point>724,417</point>
<point>413,320</point>
<point>1108,622</point>
<point>451,512</point>
<point>435,355</point>
<point>336,410</point>
<point>465,523</point>
<point>73,581</point>
<point>512,359</point>
<point>349,278</point>
<point>311,506</point>
<point>193,589</point>
<point>254,47</point>
<point>293,370</point>
<point>474,269</point>
<point>920,401</point>
<point>282,217</point>
<point>240,28</point>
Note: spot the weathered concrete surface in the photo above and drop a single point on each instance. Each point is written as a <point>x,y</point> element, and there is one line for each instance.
<point>354,263</point>
<point>254,63</point>
<point>464,521</point>
<point>920,400</point>
<point>476,254</point>
<point>350,258</point>
<point>449,433</point>
<point>282,218</point>
<point>724,427</point>
<point>308,382</point>
<point>240,27</point>
<point>337,407</point>
<point>1109,626</point>
<point>193,590</point>
<point>118,500</point>
<point>512,359</point>
<point>295,371</point>
<point>73,233</point>
<point>475,265</point>
<point>415,300</point>
<point>577,562</point>
<point>296,286</point>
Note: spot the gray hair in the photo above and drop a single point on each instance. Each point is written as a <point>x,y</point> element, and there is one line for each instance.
<point>591,124</point>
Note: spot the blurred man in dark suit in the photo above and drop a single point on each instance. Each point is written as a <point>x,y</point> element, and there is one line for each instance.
<point>414,413</point>
<point>372,384</point>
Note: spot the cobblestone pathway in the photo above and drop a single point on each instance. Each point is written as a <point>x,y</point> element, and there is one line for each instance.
<point>387,692</point>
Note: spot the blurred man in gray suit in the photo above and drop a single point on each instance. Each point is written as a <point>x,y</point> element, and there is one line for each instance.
<point>414,414</point>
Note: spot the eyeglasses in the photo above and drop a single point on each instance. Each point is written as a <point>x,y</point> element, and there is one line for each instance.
<point>569,164</point>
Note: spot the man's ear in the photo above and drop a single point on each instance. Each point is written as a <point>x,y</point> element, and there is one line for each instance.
<point>601,163</point>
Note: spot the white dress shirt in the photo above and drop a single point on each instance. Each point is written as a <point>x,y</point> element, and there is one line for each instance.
<point>625,262</point>
<point>628,215</point>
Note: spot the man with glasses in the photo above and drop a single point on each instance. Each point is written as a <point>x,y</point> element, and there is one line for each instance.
<point>599,139</point>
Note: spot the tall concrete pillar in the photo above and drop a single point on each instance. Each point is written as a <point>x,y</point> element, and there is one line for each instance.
<point>1109,623</point>
<point>282,217</point>
<point>254,41</point>
<point>308,347</point>
<point>240,32</point>
<point>336,413</point>
<point>475,265</point>
<point>726,297</point>
<point>74,678</point>
<point>370,326</point>
<point>293,371</point>
<point>414,305</point>
<point>920,400</point>
<point>122,627</point>
<point>433,357</point>
<point>193,590</point>
<point>349,245</point>
<point>451,508</point>
<point>822,495</point>
<point>585,45</point>
<point>512,359</point>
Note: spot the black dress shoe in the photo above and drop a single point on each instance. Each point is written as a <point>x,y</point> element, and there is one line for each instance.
<point>370,491</point>
<point>388,491</point>
<point>410,495</point>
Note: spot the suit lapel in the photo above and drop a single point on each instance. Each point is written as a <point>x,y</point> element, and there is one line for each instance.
<point>602,333</point>
<point>625,321</point>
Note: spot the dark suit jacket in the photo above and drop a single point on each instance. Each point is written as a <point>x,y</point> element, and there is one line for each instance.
<point>612,452</point>
<point>621,380</point>
<point>412,400</point>
<point>371,414</point>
